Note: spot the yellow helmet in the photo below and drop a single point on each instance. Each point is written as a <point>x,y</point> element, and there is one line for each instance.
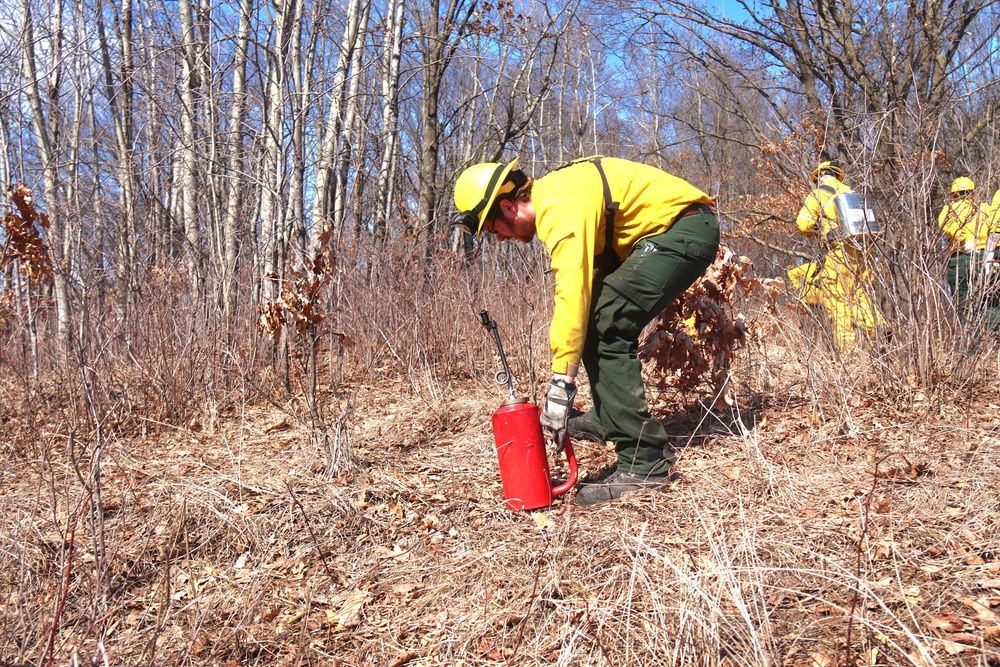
<point>962,184</point>
<point>476,190</point>
<point>828,166</point>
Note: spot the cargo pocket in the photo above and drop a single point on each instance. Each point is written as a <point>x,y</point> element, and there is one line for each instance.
<point>661,268</point>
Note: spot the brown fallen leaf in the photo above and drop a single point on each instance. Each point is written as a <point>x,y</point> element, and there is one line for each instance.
<point>908,472</point>
<point>983,612</point>
<point>288,619</point>
<point>918,659</point>
<point>970,536</point>
<point>949,623</point>
<point>350,612</point>
<point>280,425</point>
<point>992,634</point>
<point>819,659</point>
<point>405,592</point>
<point>961,642</point>
<point>404,658</point>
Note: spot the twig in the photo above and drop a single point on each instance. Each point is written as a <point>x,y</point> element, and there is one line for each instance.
<point>305,517</point>
<point>531,602</point>
<point>778,248</point>
<point>65,590</point>
<point>597,638</point>
<point>865,517</point>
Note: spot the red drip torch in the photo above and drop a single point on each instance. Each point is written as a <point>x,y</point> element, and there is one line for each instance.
<point>517,433</point>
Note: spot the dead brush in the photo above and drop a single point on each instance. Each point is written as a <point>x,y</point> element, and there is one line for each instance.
<point>755,555</point>
<point>841,520</point>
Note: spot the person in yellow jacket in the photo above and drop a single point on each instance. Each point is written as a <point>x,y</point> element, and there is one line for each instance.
<point>992,212</point>
<point>968,228</point>
<point>625,240</point>
<point>841,279</point>
<point>991,216</point>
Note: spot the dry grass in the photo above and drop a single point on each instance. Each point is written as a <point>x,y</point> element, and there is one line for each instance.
<point>810,527</point>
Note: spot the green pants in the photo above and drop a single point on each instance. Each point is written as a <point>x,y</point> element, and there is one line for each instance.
<point>958,275</point>
<point>659,270</point>
<point>984,306</point>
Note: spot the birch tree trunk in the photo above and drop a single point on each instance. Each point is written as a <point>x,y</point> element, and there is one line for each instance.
<point>323,196</point>
<point>392,48</point>
<point>272,173</point>
<point>46,138</point>
<point>237,115</point>
<point>187,167</point>
<point>343,162</point>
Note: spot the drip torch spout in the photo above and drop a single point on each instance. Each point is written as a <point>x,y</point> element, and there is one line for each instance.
<point>501,376</point>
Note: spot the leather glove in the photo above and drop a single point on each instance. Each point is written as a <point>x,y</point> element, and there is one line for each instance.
<point>558,402</point>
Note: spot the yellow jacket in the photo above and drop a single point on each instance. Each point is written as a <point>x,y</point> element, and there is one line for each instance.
<point>964,224</point>
<point>818,212</point>
<point>991,214</point>
<point>569,219</point>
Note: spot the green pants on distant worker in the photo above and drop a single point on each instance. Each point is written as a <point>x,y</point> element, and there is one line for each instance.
<point>984,305</point>
<point>624,301</point>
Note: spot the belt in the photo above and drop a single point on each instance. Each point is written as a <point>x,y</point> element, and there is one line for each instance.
<point>696,209</point>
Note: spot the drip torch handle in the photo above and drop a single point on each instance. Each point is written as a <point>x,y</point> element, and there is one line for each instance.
<point>491,326</point>
<point>571,457</point>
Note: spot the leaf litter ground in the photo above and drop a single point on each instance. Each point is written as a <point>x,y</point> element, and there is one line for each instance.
<point>783,539</point>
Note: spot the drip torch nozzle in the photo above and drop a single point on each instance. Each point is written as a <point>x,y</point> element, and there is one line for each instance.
<point>501,376</point>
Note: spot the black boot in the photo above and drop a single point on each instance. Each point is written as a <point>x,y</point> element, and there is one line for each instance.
<point>580,427</point>
<point>615,484</point>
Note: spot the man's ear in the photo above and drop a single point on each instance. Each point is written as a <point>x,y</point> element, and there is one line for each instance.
<point>507,208</point>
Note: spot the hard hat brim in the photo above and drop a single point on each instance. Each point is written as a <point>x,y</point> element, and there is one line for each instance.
<point>472,220</point>
<point>827,166</point>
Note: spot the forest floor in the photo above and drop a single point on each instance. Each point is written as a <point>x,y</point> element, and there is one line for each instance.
<point>786,538</point>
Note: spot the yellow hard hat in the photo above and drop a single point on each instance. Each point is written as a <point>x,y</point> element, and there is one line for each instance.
<point>962,184</point>
<point>828,166</point>
<point>476,190</point>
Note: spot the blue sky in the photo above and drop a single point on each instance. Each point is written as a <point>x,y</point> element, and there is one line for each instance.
<point>732,10</point>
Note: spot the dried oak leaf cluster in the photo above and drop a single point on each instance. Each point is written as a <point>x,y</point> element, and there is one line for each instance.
<point>698,335</point>
<point>298,302</point>
<point>24,239</point>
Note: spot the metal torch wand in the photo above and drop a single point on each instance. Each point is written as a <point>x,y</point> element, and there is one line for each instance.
<point>501,376</point>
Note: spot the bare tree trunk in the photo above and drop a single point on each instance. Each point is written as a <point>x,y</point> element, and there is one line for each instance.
<point>173,229</point>
<point>342,163</point>
<point>429,137</point>
<point>46,137</point>
<point>323,195</point>
<point>302,67</point>
<point>440,36</point>
<point>188,177</point>
<point>210,209</point>
<point>273,167</point>
<point>235,163</point>
<point>392,48</point>
<point>120,101</point>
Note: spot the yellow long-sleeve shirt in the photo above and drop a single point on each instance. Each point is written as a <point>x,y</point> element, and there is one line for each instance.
<point>818,213</point>
<point>569,219</point>
<point>963,222</point>
<point>991,214</point>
